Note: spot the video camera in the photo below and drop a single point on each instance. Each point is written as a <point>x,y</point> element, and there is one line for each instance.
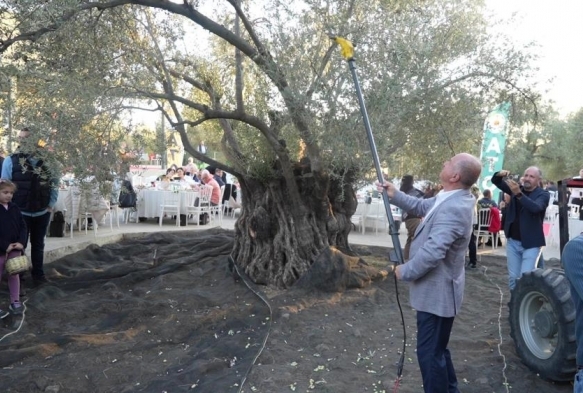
<point>511,176</point>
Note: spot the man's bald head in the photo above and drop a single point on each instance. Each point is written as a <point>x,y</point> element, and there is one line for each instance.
<point>460,171</point>
<point>469,168</point>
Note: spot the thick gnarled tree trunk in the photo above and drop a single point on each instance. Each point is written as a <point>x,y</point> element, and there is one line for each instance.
<point>279,239</point>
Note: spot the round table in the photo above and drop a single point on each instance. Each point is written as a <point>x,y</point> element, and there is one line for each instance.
<point>149,201</point>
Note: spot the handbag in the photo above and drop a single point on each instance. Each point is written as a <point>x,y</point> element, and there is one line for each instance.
<point>57,226</point>
<point>17,265</point>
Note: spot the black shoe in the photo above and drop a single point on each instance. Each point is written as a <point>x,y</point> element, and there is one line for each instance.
<point>16,308</point>
<point>4,314</point>
<point>472,266</point>
<point>38,281</point>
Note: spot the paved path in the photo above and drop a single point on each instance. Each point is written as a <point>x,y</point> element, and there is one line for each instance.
<point>57,247</point>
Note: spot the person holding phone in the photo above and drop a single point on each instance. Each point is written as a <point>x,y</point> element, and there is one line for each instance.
<point>523,221</point>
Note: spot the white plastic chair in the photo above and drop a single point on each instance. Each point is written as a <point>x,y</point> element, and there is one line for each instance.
<point>377,215</point>
<point>552,219</point>
<point>218,210</point>
<point>71,210</point>
<point>114,209</point>
<point>484,221</point>
<point>113,214</point>
<point>86,216</point>
<point>203,206</point>
<point>171,205</point>
<point>359,216</point>
<point>74,214</point>
<point>137,181</point>
<point>574,211</point>
<point>233,205</point>
<point>93,205</point>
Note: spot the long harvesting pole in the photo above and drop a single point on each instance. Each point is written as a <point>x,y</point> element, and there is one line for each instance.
<point>347,51</point>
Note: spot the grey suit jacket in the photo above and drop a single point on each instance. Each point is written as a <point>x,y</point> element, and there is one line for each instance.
<point>437,257</point>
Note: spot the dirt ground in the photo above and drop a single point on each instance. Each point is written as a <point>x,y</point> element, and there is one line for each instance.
<point>162,313</point>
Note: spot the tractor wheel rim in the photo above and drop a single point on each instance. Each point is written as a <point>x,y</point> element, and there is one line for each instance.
<point>539,346</point>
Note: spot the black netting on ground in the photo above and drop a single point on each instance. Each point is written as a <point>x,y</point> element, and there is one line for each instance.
<point>150,314</point>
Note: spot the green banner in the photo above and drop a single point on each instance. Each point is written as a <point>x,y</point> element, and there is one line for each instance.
<point>493,145</point>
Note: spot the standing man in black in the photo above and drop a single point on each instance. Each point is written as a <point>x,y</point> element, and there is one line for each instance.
<point>523,221</point>
<point>201,147</point>
<point>36,195</point>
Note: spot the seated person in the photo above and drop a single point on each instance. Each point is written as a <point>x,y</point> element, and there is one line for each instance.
<point>213,171</point>
<point>486,202</point>
<point>166,179</point>
<point>190,169</point>
<point>209,180</point>
<point>168,176</point>
<point>185,181</point>
<point>497,214</point>
<point>221,177</point>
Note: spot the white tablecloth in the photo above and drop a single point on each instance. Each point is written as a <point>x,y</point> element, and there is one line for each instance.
<point>373,215</point>
<point>73,204</point>
<point>149,202</point>
<point>60,205</point>
<point>575,227</point>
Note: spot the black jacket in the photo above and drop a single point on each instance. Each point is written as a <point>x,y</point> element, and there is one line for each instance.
<point>33,181</point>
<point>532,207</point>
<point>13,227</point>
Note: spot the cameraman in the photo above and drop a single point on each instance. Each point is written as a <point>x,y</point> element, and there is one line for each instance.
<point>523,221</point>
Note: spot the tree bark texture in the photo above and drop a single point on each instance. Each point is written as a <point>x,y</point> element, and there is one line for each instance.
<point>278,239</point>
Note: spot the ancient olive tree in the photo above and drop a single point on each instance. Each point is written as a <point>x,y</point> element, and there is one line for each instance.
<point>269,81</point>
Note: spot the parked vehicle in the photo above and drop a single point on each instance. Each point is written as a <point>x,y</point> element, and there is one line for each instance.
<point>542,313</point>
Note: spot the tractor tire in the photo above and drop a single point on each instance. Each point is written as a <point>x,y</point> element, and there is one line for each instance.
<point>542,324</point>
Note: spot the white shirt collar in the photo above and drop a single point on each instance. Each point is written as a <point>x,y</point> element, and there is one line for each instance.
<point>440,197</point>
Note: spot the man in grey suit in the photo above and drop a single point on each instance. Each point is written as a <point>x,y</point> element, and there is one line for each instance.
<point>435,269</point>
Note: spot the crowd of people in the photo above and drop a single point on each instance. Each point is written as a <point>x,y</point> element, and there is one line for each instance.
<point>191,177</point>
<point>29,190</point>
<point>504,215</point>
<point>440,220</point>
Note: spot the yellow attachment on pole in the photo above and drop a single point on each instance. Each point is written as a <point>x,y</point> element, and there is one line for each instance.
<point>346,48</point>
